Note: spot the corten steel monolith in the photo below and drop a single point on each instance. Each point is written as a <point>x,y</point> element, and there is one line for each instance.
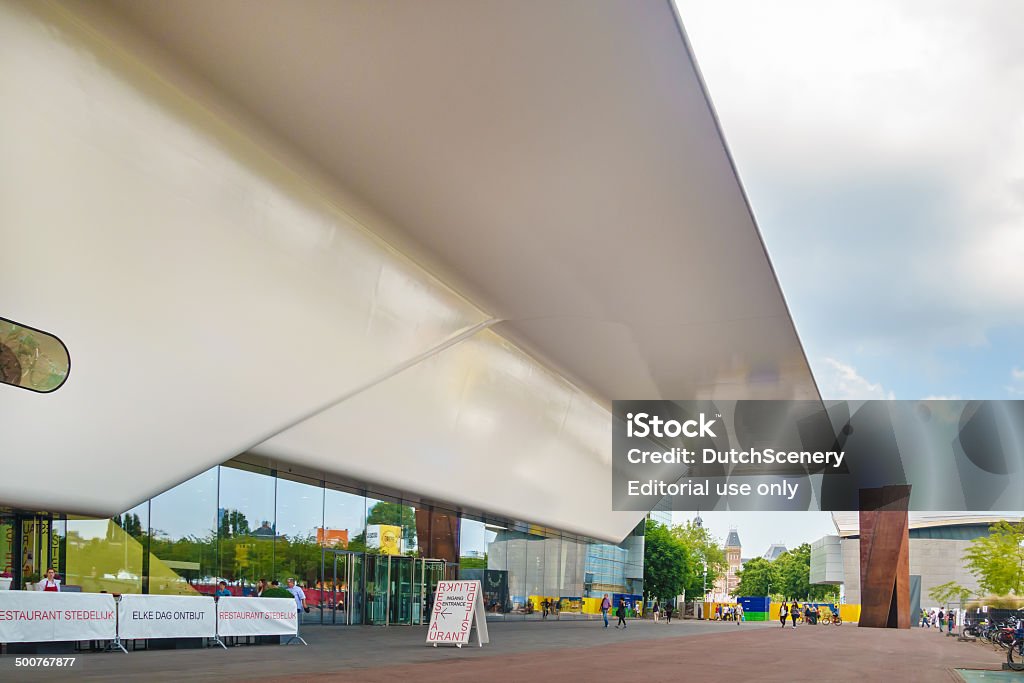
<point>885,557</point>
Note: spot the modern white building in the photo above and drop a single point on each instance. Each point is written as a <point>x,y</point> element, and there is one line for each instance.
<point>332,265</point>
<point>937,544</point>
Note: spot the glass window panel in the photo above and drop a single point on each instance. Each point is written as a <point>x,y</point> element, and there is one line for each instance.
<point>246,527</point>
<point>7,556</point>
<point>344,519</point>
<point>297,552</point>
<point>183,542</point>
<point>496,577</point>
<point>106,554</point>
<point>32,359</point>
<point>387,527</point>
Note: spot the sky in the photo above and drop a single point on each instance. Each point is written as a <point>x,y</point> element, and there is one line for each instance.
<point>881,144</point>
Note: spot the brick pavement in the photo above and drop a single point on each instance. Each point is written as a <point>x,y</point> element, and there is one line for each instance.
<point>558,651</point>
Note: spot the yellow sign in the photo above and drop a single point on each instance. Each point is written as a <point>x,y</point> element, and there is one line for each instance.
<point>386,538</point>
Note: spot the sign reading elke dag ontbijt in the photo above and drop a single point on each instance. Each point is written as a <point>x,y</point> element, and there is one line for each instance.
<point>166,616</point>
<point>457,605</point>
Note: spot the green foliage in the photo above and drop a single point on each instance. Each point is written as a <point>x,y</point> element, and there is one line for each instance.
<point>700,546</point>
<point>793,570</point>
<point>665,562</point>
<point>473,562</point>
<point>233,523</point>
<point>950,592</point>
<point>757,578</point>
<point>997,560</point>
<point>276,593</point>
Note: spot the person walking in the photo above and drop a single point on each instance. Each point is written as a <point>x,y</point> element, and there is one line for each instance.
<point>739,613</point>
<point>783,613</point>
<point>656,610</point>
<point>621,614</point>
<point>794,612</point>
<point>668,613</point>
<point>606,605</point>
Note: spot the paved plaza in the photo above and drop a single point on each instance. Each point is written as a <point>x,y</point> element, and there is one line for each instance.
<point>691,651</point>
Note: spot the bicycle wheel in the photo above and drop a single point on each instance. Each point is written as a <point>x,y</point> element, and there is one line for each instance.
<point>1015,655</point>
<point>837,621</point>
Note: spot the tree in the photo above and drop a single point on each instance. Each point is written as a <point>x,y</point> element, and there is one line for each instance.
<point>793,570</point>
<point>395,514</point>
<point>233,523</point>
<point>665,562</point>
<point>997,560</point>
<point>950,592</point>
<point>757,577</point>
<point>700,547</point>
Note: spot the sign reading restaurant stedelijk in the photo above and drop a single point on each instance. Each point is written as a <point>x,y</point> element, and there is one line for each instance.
<point>457,604</point>
<point>38,617</point>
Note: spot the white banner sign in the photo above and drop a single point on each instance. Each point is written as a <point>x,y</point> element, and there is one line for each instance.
<point>166,616</point>
<point>38,616</point>
<point>257,617</point>
<point>456,604</point>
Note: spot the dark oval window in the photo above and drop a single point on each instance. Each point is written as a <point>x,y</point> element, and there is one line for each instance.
<point>32,359</point>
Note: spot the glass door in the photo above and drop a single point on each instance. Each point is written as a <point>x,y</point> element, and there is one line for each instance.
<point>404,601</point>
<point>343,589</point>
<point>355,603</point>
<point>378,579</point>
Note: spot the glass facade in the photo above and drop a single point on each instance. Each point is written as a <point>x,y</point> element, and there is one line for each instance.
<point>361,557</point>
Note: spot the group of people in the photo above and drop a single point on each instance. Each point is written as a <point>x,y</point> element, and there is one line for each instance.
<point>938,618</point>
<point>620,611</point>
<point>729,613</point>
<point>794,612</point>
<point>263,585</point>
<point>656,610</point>
<point>549,607</point>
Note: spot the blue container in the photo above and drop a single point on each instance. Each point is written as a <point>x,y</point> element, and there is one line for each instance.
<point>754,604</point>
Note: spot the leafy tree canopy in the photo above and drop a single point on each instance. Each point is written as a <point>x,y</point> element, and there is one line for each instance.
<point>665,562</point>
<point>998,559</point>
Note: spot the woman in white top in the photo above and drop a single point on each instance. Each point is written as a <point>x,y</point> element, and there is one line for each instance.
<point>49,584</point>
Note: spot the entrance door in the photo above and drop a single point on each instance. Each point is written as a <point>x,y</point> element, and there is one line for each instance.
<point>404,600</point>
<point>343,587</point>
<point>432,572</point>
<point>378,579</point>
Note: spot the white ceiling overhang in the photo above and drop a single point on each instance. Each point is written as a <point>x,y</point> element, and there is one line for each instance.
<point>556,164</point>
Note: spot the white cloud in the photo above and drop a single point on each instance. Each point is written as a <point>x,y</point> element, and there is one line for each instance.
<point>1017,382</point>
<point>882,146</point>
<point>953,397</point>
<point>842,382</point>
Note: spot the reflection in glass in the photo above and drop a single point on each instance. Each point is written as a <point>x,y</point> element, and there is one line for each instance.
<point>297,553</point>
<point>31,358</point>
<point>246,527</point>
<point>390,528</point>
<point>183,543</point>
<point>106,554</point>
